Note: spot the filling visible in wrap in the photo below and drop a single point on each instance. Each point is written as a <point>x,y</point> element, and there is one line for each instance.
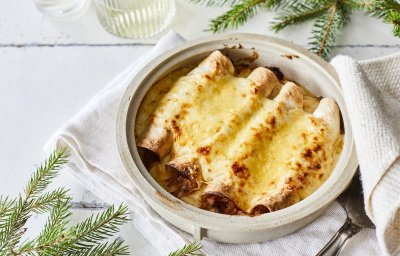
<point>242,144</point>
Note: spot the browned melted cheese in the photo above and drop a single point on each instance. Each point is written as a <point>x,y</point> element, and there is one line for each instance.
<point>256,148</point>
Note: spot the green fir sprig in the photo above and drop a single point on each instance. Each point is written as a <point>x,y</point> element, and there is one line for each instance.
<point>56,238</point>
<point>388,10</point>
<point>192,249</point>
<point>216,2</point>
<point>90,237</point>
<point>330,16</point>
<point>327,28</point>
<point>238,15</point>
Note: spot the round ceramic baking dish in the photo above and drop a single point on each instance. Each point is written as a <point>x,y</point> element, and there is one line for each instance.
<point>297,64</point>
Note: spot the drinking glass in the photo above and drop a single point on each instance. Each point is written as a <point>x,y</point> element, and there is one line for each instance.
<point>60,8</point>
<point>135,18</point>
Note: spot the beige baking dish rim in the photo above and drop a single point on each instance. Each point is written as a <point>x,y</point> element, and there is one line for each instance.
<point>218,227</point>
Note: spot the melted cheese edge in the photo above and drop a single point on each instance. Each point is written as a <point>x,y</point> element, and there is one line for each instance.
<point>240,129</point>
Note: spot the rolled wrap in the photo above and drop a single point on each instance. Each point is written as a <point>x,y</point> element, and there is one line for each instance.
<point>290,95</point>
<point>328,111</point>
<point>222,140</point>
<point>314,159</point>
<point>169,125</point>
<point>187,175</point>
<point>283,199</point>
<point>250,146</point>
<point>215,64</point>
<point>159,137</point>
<point>264,81</point>
<point>221,194</point>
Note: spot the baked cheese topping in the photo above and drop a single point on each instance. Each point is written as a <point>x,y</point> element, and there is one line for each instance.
<point>237,145</point>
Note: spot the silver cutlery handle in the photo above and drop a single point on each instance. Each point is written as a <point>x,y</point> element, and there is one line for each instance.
<point>332,248</point>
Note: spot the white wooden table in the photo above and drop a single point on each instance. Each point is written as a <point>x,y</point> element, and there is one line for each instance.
<point>49,69</point>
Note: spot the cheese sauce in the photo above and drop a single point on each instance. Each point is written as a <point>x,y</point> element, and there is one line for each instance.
<point>252,142</point>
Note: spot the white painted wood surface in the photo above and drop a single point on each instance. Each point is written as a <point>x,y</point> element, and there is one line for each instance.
<point>49,69</point>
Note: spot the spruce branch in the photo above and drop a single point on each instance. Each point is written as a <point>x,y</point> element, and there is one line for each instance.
<point>46,202</point>
<point>326,29</point>
<point>116,247</point>
<point>45,173</point>
<point>379,8</point>
<point>12,229</point>
<point>6,204</point>
<point>330,16</point>
<point>388,10</point>
<point>99,227</point>
<point>83,237</point>
<point>56,222</point>
<point>215,2</point>
<point>192,249</point>
<point>56,238</point>
<point>299,12</point>
<point>238,15</point>
<point>394,18</point>
<point>241,12</point>
<point>6,207</point>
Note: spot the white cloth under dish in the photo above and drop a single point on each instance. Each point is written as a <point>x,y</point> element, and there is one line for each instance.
<point>372,94</point>
<point>94,161</point>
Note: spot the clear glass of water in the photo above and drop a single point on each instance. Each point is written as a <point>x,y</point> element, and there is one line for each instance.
<point>135,18</point>
<point>61,8</point>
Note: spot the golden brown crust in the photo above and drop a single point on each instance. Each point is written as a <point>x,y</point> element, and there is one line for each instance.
<point>234,150</point>
<point>158,140</point>
<point>204,150</point>
<point>285,198</point>
<point>219,197</point>
<point>264,81</point>
<point>159,137</point>
<point>240,170</point>
<point>188,168</point>
<point>215,64</point>
<point>328,111</point>
<point>291,95</point>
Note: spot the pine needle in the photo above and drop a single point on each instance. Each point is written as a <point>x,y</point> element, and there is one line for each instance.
<point>238,15</point>
<point>6,207</point>
<point>215,2</point>
<point>116,247</point>
<point>53,229</point>
<point>326,29</point>
<point>388,10</point>
<point>100,226</point>
<point>56,223</point>
<point>11,229</point>
<point>45,173</point>
<point>297,13</point>
<point>46,202</point>
<point>84,238</point>
<point>87,235</point>
<point>192,249</point>
<point>241,12</point>
<point>394,18</point>
<point>330,16</point>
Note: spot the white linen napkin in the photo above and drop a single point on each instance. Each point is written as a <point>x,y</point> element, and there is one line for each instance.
<point>372,94</point>
<point>94,161</point>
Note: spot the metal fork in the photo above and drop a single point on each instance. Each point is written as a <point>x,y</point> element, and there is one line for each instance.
<point>357,219</point>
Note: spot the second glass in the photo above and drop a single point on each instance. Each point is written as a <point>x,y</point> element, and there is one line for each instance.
<point>135,18</point>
